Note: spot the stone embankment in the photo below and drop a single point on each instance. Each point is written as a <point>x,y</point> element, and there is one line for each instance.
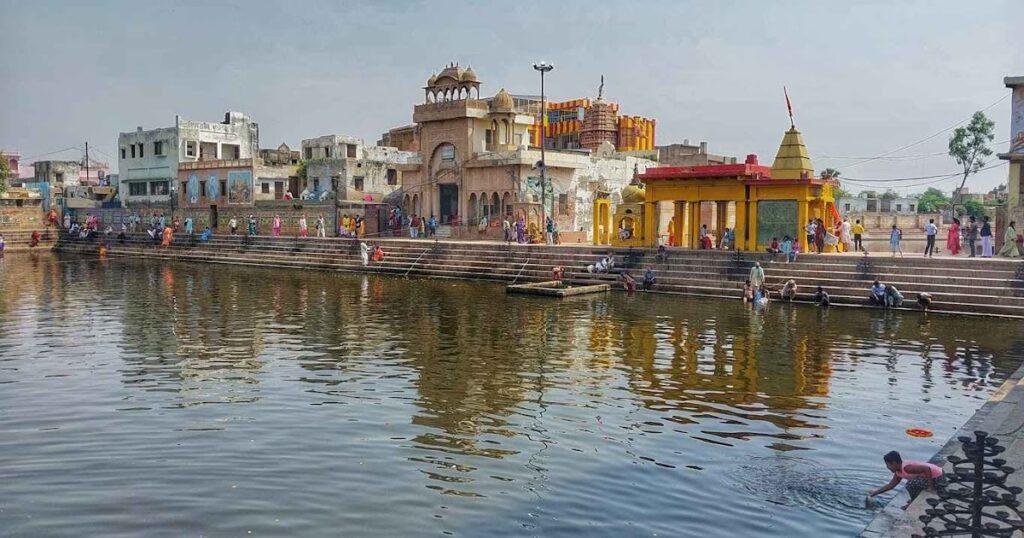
<point>16,240</point>
<point>973,286</point>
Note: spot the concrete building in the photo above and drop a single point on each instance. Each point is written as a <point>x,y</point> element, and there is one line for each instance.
<point>1015,154</point>
<point>477,159</point>
<point>149,160</point>
<point>281,156</point>
<point>344,168</point>
<point>58,173</point>
<point>686,154</point>
<point>861,205</point>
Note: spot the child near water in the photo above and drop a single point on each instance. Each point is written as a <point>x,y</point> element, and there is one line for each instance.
<point>919,476</point>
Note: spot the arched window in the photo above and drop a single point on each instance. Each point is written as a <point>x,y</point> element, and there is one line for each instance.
<point>406,204</point>
<point>473,216</point>
<point>495,205</point>
<point>506,136</point>
<point>506,203</point>
<point>416,204</point>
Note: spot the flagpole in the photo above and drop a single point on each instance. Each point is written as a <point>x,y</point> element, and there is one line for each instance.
<point>789,107</point>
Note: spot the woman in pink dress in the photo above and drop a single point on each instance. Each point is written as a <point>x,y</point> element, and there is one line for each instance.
<point>275,226</point>
<point>953,237</point>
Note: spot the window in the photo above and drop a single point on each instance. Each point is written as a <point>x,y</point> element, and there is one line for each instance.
<point>202,189</point>
<point>190,148</point>
<point>158,188</point>
<point>123,153</point>
<point>488,137</point>
<point>265,188</point>
<point>59,177</point>
<point>448,152</point>
<point>899,207</point>
<point>358,182</point>
<point>351,151</point>
<point>136,189</point>
<point>278,189</point>
<point>316,184</point>
<point>223,187</point>
<point>392,176</point>
<point>133,151</point>
<point>142,147</point>
<point>911,208</point>
<point>309,153</point>
<point>158,147</point>
<point>846,208</point>
<point>327,152</point>
<point>184,189</point>
<point>563,204</point>
<point>231,151</point>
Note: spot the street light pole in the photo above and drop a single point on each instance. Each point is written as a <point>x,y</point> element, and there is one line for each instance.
<point>543,67</point>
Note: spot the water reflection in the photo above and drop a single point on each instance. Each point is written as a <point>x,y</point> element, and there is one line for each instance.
<point>494,412</point>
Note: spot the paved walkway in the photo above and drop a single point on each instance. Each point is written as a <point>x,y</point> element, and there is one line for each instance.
<point>1003,417</point>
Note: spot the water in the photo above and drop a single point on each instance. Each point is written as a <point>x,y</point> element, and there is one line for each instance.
<point>152,399</point>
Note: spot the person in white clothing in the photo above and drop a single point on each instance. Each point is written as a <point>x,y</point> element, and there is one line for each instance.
<point>846,235</point>
<point>364,253</point>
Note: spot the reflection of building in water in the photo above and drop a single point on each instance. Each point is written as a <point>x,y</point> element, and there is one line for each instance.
<point>723,366</point>
<point>198,329</point>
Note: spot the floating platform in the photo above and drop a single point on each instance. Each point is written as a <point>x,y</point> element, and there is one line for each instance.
<point>555,288</point>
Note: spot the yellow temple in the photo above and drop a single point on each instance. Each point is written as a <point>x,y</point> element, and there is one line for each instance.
<point>763,202</point>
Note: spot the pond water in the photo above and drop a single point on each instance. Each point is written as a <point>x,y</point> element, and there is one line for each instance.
<point>146,398</point>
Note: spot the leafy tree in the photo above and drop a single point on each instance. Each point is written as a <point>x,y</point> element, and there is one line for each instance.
<point>839,192</point>
<point>973,208</point>
<point>931,201</point>
<point>830,173</point>
<point>890,194</point>
<point>868,194</point>
<point>968,146</point>
<point>5,172</point>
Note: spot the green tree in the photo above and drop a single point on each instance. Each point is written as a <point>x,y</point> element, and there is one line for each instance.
<point>973,208</point>
<point>968,146</point>
<point>830,173</point>
<point>931,201</point>
<point>890,194</point>
<point>5,172</point>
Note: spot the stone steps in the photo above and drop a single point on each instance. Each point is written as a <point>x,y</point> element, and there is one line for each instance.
<point>995,288</point>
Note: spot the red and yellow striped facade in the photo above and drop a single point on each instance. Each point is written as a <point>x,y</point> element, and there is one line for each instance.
<point>634,133</point>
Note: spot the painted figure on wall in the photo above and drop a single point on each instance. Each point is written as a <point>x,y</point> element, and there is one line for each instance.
<point>192,189</point>
<point>240,187</point>
<point>212,188</point>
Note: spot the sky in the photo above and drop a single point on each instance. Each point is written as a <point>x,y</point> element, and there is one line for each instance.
<point>865,78</point>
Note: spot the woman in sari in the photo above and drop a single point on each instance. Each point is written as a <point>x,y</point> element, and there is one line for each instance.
<point>953,237</point>
<point>275,226</point>
<point>1010,249</point>
<point>168,237</point>
<point>520,230</point>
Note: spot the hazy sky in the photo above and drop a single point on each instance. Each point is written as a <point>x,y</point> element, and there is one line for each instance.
<point>865,77</point>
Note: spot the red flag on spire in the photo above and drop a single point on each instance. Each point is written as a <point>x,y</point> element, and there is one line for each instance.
<point>789,107</point>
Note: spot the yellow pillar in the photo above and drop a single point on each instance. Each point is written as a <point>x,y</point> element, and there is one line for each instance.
<point>741,225</point>
<point>752,233</point>
<point>650,236</point>
<point>679,223</point>
<point>694,224</point>
<point>802,210</point>
<point>721,219</point>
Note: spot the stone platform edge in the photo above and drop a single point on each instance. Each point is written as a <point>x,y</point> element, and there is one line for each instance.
<point>1005,408</point>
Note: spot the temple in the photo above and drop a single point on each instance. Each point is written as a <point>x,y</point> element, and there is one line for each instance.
<point>757,201</point>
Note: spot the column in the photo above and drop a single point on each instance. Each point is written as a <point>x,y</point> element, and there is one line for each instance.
<point>802,216</point>
<point>741,225</point>
<point>694,224</point>
<point>721,219</point>
<point>679,223</point>
<point>650,236</point>
<point>752,232</point>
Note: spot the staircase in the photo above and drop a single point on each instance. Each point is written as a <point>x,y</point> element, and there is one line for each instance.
<point>16,240</point>
<point>975,286</point>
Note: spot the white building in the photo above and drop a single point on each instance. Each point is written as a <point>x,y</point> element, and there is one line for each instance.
<point>861,205</point>
<point>345,168</point>
<point>148,160</point>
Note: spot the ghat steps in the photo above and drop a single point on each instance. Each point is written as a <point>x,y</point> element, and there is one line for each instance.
<point>976,286</point>
<point>19,239</point>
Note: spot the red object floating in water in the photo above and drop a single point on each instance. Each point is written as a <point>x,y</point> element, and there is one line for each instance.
<point>919,432</point>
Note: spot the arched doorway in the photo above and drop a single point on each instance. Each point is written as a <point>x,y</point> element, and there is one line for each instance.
<point>472,216</point>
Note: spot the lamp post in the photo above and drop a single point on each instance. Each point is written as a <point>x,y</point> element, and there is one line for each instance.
<point>543,67</point>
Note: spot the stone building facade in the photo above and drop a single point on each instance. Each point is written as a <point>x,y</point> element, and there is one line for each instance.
<point>476,161</point>
<point>344,168</point>
<point>149,159</point>
<point>686,154</point>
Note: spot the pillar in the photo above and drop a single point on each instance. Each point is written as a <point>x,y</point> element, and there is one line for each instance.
<point>741,225</point>
<point>802,216</point>
<point>679,223</point>
<point>650,236</point>
<point>694,224</point>
<point>721,218</point>
<point>752,220</point>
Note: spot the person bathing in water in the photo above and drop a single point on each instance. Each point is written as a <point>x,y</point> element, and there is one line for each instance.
<point>918,474</point>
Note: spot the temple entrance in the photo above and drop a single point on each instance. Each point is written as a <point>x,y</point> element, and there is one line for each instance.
<point>449,202</point>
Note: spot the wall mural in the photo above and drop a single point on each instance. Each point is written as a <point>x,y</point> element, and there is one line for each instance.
<point>192,189</point>
<point>239,187</point>
<point>776,218</point>
<point>212,188</point>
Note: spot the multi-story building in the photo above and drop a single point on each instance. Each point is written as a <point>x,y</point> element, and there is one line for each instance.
<point>282,156</point>
<point>686,154</point>
<point>477,159</point>
<point>345,168</point>
<point>149,160</point>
